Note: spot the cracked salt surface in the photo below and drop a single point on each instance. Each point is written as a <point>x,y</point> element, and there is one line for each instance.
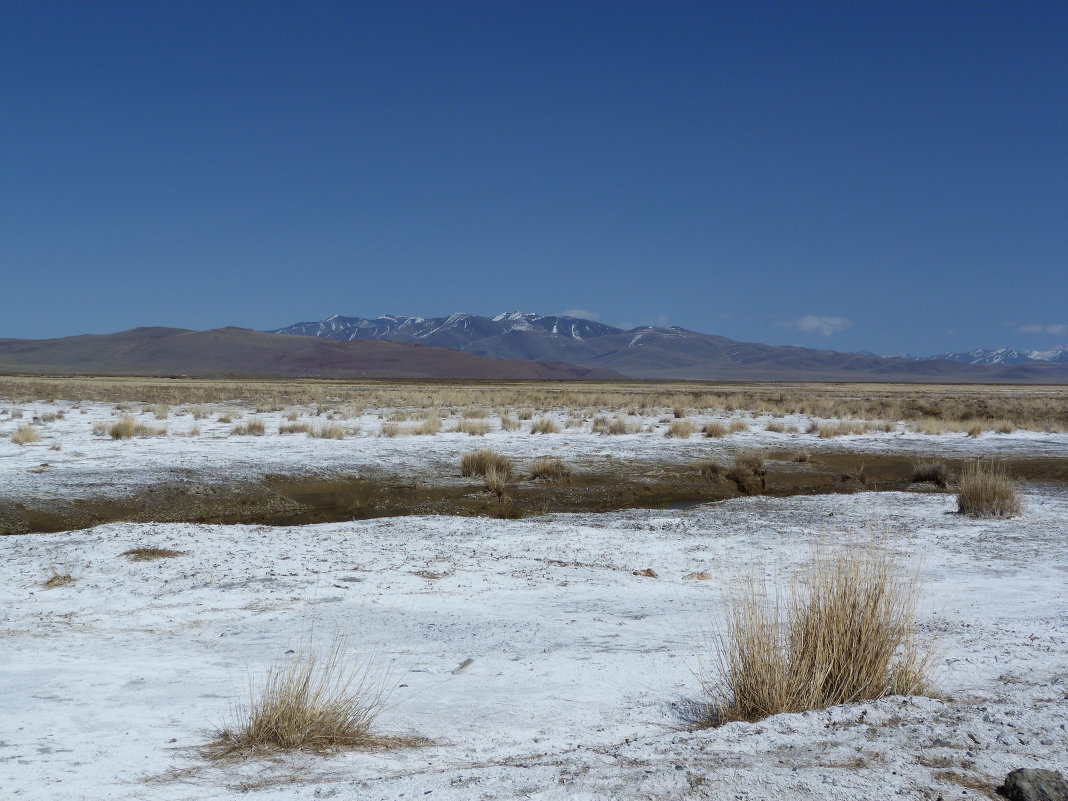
<point>580,670</point>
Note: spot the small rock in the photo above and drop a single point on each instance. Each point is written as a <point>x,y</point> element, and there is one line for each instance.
<point>648,573</point>
<point>1029,784</point>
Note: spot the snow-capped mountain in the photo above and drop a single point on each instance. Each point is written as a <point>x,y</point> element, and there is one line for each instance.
<point>1058,353</point>
<point>652,352</point>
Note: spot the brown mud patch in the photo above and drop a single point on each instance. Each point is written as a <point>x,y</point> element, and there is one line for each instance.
<point>288,500</point>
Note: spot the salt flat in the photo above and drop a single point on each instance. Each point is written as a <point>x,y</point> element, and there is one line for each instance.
<point>582,672</point>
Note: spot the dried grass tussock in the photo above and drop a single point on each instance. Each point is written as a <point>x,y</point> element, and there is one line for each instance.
<point>476,428</point>
<point>544,425</point>
<point>254,426</point>
<point>934,471</point>
<point>844,632</point>
<point>984,490</point>
<point>312,702</point>
<point>552,469</point>
<point>24,435</point>
<point>480,462</point>
<point>680,428</point>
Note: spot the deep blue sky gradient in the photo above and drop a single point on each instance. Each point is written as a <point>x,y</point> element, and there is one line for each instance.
<point>897,171</point>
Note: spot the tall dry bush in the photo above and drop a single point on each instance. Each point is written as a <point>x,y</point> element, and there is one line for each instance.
<point>985,490</point>
<point>844,632</point>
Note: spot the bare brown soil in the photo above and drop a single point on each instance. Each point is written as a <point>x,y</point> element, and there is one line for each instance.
<point>298,500</point>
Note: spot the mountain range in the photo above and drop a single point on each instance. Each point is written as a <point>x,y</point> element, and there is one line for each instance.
<point>510,346</point>
<point>677,353</point>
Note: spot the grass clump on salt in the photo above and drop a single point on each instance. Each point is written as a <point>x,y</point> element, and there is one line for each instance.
<point>25,435</point>
<point>480,462</point>
<point>314,701</point>
<point>845,632</point>
<point>544,425</point>
<point>984,490</point>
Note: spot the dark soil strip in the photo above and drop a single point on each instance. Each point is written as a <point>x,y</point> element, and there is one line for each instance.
<point>298,500</point>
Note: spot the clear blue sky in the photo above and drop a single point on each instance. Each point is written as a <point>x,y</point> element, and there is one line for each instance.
<point>882,176</point>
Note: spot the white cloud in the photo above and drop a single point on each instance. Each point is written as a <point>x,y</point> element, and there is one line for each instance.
<point>584,314</point>
<point>814,324</point>
<point>1057,329</point>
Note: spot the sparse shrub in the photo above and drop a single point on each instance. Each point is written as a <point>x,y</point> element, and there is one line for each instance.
<point>845,633</point>
<point>475,428</point>
<point>329,430</point>
<point>252,427</point>
<point>748,472</point>
<point>225,418</point>
<point>123,428</point>
<point>161,410</point>
<point>544,425</point>
<point>525,414</point>
<point>25,435</point>
<point>1004,426</point>
<point>389,429</point>
<point>58,578</point>
<point>509,423</point>
<point>478,463</point>
<point>933,470</point>
<point>679,412</point>
<point>292,415</point>
<point>617,425</point>
<point>803,456</point>
<point>984,490</point>
<point>311,702</point>
<point>715,430</point>
<point>975,429</point>
<point>497,480</point>
<point>429,427</point>
<point>295,428</point>
<point>679,428</point>
<point>551,468</point>
<point>199,412</point>
<point>708,469</point>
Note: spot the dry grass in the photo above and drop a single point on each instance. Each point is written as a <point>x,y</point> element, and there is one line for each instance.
<point>748,472</point>
<point>295,428</point>
<point>389,429</point>
<point>984,490</point>
<point>775,427</point>
<point>840,428</point>
<point>552,469</point>
<point>708,468</point>
<point>480,462</point>
<point>252,427</point>
<point>844,633</point>
<point>25,435</point>
<point>509,423</point>
<point>475,428</point>
<point>715,430</point>
<point>497,480</point>
<point>679,428</point>
<point>544,425</point>
<point>802,456</point>
<point>430,426</point>
<point>126,427</point>
<point>311,702</point>
<point>149,553</point>
<point>329,430</point>
<point>57,578</point>
<point>934,471</point>
<point>616,425</point>
<point>737,426</point>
